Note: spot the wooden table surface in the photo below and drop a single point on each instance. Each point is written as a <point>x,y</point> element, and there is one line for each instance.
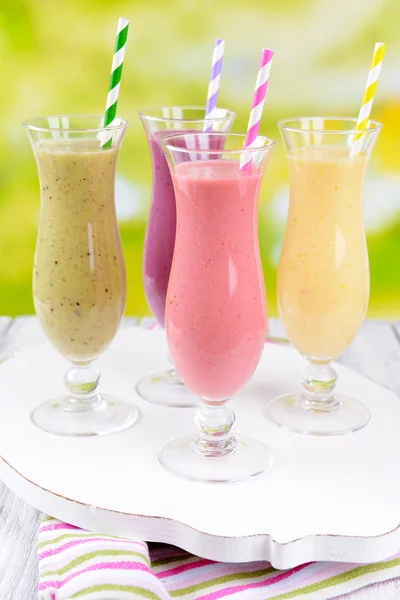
<point>375,353</point>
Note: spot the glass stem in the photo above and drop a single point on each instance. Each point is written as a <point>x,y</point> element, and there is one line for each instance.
<point>172,374</point>
<point>82,381</point>
<point>215,422</point>
<point>319,381</point>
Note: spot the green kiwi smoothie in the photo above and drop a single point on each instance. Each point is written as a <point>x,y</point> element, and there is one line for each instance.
<point>79,282</point>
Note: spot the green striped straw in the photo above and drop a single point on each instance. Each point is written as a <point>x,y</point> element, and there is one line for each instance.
<point>115,79</point>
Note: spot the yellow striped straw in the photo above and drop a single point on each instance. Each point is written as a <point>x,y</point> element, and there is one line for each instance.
<point>369,95</point>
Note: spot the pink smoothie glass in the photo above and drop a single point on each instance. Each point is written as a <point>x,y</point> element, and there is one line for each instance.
<point>166,387</point>
<point>216,317</point>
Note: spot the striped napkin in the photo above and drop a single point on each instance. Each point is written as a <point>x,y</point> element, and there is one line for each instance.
<point>74,563</point>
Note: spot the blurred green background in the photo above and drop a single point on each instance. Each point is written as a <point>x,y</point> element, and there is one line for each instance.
<point>56,58</point>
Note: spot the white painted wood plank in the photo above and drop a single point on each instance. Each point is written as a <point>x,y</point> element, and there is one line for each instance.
<point>18,559</point>
<point>375,353</point>
<point>18,525</point>
<point>5,323</point>
<point>276,329</point>
<point>396,326</point>
<point>389,590</point>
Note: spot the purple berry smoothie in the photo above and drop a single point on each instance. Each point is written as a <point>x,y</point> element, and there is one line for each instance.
<point>160,233</point>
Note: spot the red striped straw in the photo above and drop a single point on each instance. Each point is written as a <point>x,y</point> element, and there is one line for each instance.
<point>257,106</point>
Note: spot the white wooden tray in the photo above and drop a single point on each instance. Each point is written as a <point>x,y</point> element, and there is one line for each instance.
<point>332,498</point>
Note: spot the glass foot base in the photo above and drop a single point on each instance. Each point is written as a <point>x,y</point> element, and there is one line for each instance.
<point>250,459</point>
<point>347,416</point>
<point>165,389</point>
<point>110,415</point>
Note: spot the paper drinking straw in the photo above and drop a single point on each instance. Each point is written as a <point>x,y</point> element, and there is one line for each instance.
<point>257,105</point>
<point>368,98</point>
<point>213,86</point>
<point>115,79</point>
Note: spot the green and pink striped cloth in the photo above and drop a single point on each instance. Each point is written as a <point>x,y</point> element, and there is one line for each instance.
<point>74,563</point>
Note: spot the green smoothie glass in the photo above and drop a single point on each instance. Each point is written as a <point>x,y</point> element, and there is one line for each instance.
<point>79,283</point>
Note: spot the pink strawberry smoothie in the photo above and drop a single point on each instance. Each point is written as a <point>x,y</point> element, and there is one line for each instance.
<point>216,317</point>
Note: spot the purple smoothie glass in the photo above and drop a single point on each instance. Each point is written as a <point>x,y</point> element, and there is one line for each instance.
<point>165,387</point>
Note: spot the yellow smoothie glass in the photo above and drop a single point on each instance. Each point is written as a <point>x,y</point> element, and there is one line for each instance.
<point>323,275</point>
<point>79,282</point>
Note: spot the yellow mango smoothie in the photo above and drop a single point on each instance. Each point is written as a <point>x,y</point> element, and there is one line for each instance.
<point>79,275</point>
<point>323,276</point>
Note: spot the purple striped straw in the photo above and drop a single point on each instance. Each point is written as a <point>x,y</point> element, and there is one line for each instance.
<point>213,86</point>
